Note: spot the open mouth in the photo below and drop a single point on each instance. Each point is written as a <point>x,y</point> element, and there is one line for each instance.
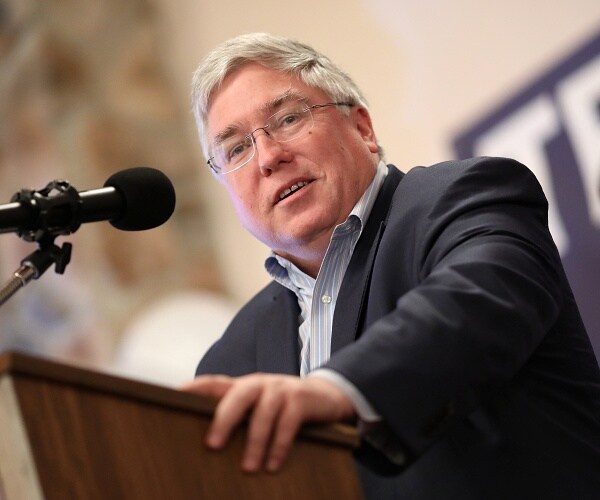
<point>292,189</point>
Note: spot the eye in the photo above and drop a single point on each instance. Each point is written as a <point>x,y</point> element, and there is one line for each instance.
<point>237,149</point>
<point>289,118</point>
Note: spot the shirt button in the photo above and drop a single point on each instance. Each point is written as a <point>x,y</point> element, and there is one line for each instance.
<point>326,299</point>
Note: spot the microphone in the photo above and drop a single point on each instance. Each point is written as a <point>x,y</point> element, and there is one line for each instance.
<point>134,199</point>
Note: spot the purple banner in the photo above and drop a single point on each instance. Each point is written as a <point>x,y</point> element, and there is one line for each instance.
<point>553,126</point>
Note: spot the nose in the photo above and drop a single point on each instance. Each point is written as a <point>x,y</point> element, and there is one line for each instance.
<point>270,153</point>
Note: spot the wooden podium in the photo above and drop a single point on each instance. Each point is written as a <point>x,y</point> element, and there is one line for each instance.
<point>71,433</point>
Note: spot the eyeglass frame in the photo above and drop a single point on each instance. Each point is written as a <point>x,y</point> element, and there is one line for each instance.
<point>250,135</point>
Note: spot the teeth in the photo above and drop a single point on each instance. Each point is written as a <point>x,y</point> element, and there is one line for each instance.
<point>292,188</point>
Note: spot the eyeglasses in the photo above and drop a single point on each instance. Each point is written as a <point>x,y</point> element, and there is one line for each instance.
<point>289,123</point>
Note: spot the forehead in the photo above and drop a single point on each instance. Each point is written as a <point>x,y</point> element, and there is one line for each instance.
<point>253,92</point>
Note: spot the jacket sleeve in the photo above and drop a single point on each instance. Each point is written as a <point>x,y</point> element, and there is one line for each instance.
<point>466,284</point>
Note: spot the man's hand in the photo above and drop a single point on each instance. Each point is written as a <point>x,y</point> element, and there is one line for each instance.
<point>277,406</point>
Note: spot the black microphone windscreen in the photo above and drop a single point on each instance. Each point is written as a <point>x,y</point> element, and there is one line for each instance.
<point>148,195</point>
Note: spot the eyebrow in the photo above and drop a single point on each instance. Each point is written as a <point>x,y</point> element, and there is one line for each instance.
<point>267,108</point>
<point>226,133</point>
<point>273,105</point>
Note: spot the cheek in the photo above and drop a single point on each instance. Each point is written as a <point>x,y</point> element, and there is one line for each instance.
<point>245,203</point>
<point>242,202</point>
<point>245,215</point>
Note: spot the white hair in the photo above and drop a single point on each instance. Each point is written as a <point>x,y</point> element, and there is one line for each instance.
<point>275,52</point>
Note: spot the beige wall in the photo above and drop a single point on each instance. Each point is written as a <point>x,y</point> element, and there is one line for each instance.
<point>427,67</point>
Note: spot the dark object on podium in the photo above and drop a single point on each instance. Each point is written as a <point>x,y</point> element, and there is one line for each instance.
<point>68,432</point>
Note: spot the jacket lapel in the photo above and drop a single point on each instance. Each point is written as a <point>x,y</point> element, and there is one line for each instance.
<point>349,306</point>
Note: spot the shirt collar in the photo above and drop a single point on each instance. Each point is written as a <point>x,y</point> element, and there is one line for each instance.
<point>363,207</point>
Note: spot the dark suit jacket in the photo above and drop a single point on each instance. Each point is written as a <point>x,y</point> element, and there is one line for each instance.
<point>456,322</point>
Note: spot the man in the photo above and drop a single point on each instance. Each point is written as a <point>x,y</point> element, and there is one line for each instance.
<point>430,307</point>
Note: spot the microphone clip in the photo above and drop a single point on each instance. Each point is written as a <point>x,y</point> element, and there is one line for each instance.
<point>56,211</point>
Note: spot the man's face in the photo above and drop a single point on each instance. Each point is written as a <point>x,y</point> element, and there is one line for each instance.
<point>337,159</point>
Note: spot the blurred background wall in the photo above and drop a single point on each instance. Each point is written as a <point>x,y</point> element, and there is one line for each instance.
<point>88,88</point>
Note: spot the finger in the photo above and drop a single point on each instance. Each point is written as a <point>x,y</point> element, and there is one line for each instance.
<point>313,400</point>
<point>215,386</point>
<point>260,427</point>
<point>231,410</point>
<point>287,427</point>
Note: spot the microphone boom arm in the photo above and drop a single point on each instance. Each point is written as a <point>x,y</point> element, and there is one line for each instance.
<point>36,264</point>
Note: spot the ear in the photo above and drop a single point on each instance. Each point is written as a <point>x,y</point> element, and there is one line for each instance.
<point>365,127</point>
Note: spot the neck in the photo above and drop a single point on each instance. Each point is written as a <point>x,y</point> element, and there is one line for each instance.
<point>308,255</point>
<point>309,267</point>
<point>307,264</point>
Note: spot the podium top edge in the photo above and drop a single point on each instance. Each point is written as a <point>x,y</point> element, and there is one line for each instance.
<point>14,363</point>
<point>17,364</point>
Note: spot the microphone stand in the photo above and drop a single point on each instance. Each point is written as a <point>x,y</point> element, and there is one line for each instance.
<point>57,201</point>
